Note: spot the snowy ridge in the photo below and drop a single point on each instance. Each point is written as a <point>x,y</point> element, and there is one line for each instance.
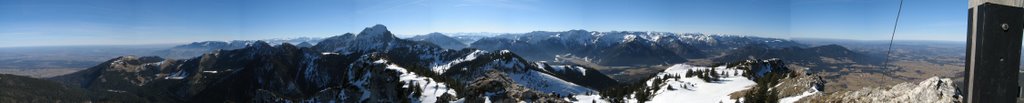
<point>583,36</point>
<point>181,74</point>
<point>431,89</point>
<point>628,38</point>
<point>568,68</point>
<point>440,69</point>
<point>793,99</point>
<point>622,47</point>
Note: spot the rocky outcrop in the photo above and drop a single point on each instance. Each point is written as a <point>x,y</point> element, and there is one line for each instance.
<point>931,90</point>
<point>495,86</point>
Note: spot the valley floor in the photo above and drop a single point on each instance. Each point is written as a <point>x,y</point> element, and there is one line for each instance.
<point>39,73</point>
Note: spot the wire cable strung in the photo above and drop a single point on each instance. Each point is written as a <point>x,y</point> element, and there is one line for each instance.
<point>893,36</point>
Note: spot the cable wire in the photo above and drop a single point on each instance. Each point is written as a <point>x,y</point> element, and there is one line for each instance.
<point>893,35</point>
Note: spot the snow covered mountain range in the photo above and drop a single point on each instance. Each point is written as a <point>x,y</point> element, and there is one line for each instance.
<point>375,66</point>
<point>610,48</point>
<point>622,47</point>
<point>198,48</point>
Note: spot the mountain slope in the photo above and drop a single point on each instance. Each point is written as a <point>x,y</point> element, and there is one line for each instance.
<point>584,76</point>
<point>20,89</point>
<point>818,57</point>
<point>798,54</point>
<point>440,39</point>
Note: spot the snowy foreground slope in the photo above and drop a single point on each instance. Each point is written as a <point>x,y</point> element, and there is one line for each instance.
<point>682,83</point>
<point>689,89</point>
<point>767,80</point>
<point>695,90</point>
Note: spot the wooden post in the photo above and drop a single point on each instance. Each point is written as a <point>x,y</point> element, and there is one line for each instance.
<point>993,51</point>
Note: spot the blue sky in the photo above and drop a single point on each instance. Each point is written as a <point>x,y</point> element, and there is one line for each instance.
<point>104,22</point>
<point>873,19</point>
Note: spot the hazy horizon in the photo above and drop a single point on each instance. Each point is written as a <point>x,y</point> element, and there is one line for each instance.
<point>124,22</point>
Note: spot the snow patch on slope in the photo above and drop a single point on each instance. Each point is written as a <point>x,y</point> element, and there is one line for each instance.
<point>544,82</point>
<point>431,89</point>
<point>695,90</point>
<point>689,89</point>
<point>440,69</point>
<point>628,38</point>
<point>593,98</point>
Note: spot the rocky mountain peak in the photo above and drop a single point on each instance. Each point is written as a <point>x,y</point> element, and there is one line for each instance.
<point>304,44</point>
<point>378,32</point>
<point>433,37</point>
<point>260,44</point>
<point>435,34</point>
<point>439,39</point>
<point>578,31</point>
